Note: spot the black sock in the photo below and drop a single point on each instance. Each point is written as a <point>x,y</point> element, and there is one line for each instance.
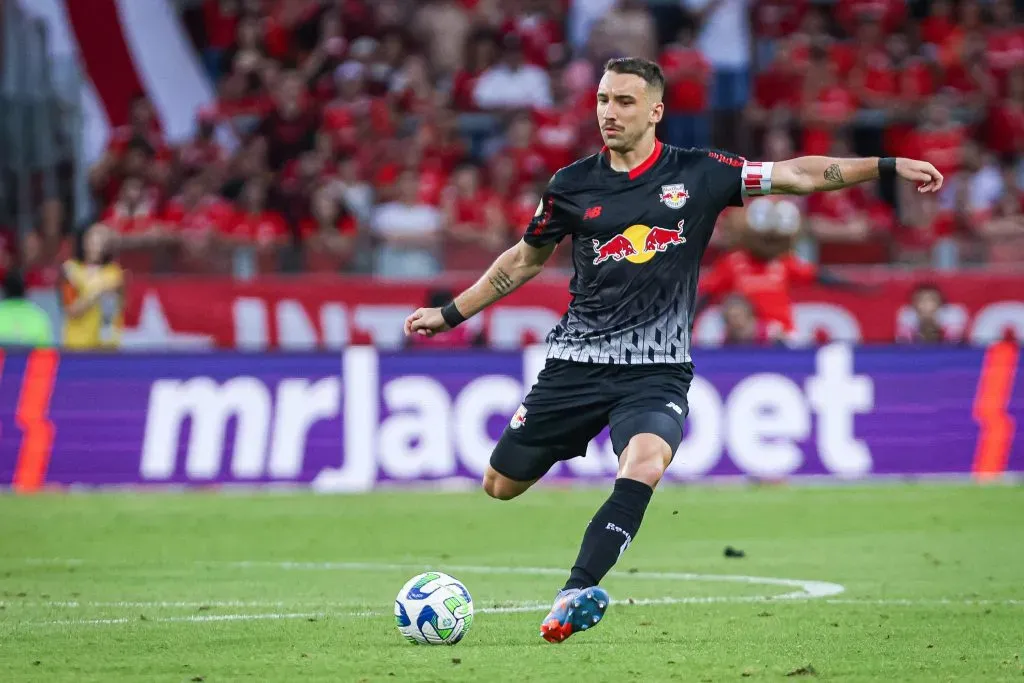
<point>610,532</point>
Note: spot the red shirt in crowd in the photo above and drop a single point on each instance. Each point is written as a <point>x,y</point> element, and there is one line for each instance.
<point>263,228</point>
<point>842,55</point>
<point>889,13</point>
<point>346,225</point>
<point>937,30</point>
<point>221,27</point>
<point>687,73</point>
<point>519,210</point>
<point>834,105</point>
<point>878,81</point>
<point>539,35</point>
<point>916,82</point>
<point>200,154</point>
<point>557,134</point>
<point>477,212</point>
<point>766,284</point>
<point>210,214</point>
<point>850,203</point>
<point>463,85</point>
<point>778,18</point>
<point>121,136</point>
<point>1005,49</point>
<point>133,220</point>
<point>941,147</point>
<point>777,86</point>
<point>1005,128</point>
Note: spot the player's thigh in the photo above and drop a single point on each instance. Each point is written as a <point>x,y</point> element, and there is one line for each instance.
<point>564,410</point>
<point>653,404</point>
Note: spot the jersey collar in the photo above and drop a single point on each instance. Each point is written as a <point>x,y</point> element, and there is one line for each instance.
<point>642,168</point>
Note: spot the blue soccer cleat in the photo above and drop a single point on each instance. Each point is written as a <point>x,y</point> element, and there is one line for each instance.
<point>574,610</point>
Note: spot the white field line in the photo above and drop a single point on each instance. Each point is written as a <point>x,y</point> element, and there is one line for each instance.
<point>507,609</point>
<point>807,589</point>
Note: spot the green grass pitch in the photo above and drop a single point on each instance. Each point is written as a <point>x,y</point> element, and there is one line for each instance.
<point>288,587</point>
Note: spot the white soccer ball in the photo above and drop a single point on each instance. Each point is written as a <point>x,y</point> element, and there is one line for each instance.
<point>433,609</point>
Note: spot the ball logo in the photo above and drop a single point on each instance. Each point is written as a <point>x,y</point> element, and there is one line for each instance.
<point>519,419</point>
<point>674,196</point>
<point>638,244</point>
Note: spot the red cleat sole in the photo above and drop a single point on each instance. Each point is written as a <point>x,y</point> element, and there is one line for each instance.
<point>555,632</point>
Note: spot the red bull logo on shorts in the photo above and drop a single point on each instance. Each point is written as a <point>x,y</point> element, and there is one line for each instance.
<point>638,244</point>
<point>674,196</point>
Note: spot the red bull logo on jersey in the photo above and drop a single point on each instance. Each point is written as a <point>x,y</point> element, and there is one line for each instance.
<point>638,244</point>
<point>674,196</point>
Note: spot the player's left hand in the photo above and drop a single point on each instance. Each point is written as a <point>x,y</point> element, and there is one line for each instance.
<point>921,172</point>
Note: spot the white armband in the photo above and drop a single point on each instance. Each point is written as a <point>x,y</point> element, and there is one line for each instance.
<point>757,178</point>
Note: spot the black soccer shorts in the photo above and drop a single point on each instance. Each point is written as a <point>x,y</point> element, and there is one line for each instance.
<point>572,402</point>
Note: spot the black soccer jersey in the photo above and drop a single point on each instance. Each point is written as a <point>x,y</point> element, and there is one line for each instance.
<point>637,242</point>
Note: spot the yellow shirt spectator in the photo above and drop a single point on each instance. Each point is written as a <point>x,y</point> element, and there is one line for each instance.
<point>92,292</point>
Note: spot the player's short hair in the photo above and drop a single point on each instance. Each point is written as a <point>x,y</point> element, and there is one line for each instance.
<point>644,68</point>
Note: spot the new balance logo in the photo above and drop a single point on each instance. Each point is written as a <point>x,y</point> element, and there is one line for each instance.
<point>674,407</point>
<point>592,212</point>
<point>618,529</point>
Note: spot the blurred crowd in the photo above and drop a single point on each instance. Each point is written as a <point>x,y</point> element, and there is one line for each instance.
<point>406,138</point>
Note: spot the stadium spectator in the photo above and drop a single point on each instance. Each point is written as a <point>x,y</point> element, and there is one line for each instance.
<point>134,215</point>
<point>474,219</point>
<point>773,21</point>
<point>922,323</point>
<point>203,151</point>
<point>36,268</point>
<point>255,224</point>
<point>408,233</point>
<point>512,83</point>
<point>290,128</point>
<point>828,104</point>
<point>137,148</point>
<point>1003,230</point>
<point>443,26</point>
<point>777,89</point>
<point>23,324</point>
<point>725,40</point>
<point>741,325</point>
<point>688,75</point>
<point>482,53</point>
<point>329,234</point>
<point>628,29</point>
<point>1005,123</point>
<point>92,293</point>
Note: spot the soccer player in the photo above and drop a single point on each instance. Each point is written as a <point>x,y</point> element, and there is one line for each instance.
<point>640,215</point>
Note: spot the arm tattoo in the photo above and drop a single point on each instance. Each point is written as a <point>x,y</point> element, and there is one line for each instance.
<point>833,175</point>
<point>501,282</point>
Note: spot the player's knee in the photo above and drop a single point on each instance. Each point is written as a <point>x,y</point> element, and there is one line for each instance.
<point>645,459</point>
<point>500,487</point>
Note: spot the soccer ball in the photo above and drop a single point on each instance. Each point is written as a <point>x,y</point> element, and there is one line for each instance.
<point>433,609</point>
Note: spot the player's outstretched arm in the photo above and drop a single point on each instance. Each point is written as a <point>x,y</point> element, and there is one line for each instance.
<point>517,265</point>
<point>805,175</point>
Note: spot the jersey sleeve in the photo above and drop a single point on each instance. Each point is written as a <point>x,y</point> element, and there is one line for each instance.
<point>730,178</point>
<point>553,220</point>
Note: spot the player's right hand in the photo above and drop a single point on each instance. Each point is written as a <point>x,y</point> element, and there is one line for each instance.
<point>426,322</point>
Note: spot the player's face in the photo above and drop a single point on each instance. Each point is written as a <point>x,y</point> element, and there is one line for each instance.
<point>626,110</point>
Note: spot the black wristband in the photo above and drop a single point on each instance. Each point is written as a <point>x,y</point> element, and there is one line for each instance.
<point>887,167</point>
<point>451,315</point>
